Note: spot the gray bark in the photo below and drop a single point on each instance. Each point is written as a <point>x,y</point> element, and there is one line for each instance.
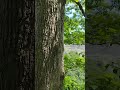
<point>49,69</point>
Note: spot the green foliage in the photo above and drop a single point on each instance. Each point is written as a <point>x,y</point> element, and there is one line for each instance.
<point>74,71</point>
<point>102,77</point>
<point>74,25</point>
<point>103,23</point>
<point>74,33</point>
<point>71,1</point>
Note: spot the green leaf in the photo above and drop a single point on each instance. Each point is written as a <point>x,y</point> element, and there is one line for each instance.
<point>76,0</point>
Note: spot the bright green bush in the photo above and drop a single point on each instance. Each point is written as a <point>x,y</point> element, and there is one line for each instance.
<point>74,71</point>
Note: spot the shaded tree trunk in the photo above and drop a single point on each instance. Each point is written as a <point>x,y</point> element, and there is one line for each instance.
<point>49,44</point>
<point>17,45</point>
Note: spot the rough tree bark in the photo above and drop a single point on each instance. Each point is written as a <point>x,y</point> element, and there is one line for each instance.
<point>49,68</point>
<point>26,44</point>
<point>17,44</point>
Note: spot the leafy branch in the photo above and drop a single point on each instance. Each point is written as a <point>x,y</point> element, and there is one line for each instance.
<point>80,7</point>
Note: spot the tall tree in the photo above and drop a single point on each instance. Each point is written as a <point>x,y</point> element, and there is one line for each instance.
<point>49,44</point>
<point>17,44</point>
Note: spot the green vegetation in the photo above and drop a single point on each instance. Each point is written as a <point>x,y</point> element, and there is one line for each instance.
<point>103,22</point>
<point>102,26</point>
<point>102,76</point>
<point>74,33</point>
<point>74,24</point>
<point>74,71</point>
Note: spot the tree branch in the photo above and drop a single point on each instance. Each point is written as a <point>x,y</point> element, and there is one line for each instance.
<point>81,8</point>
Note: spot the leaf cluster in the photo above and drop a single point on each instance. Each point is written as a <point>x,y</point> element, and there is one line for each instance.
<point>74,71</point>
<point>74,25</point>
<point>100,76</point>
<point>103,23</point>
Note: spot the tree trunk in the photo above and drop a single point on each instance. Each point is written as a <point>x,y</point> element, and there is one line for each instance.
<point>26,44</point>
<point>49,69</point>
<point>7,45</point>
<point>17,45</point>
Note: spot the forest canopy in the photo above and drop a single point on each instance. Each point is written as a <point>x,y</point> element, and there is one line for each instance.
<point>74,23</point>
